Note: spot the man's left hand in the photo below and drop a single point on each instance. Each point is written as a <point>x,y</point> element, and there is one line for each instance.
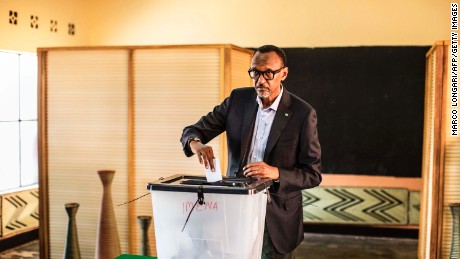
<point>261,170</point>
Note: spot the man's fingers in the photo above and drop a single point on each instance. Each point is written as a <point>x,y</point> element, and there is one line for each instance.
<point>208,156</point>
<point>256,170</point>
<point>205,156</point>
<point>206,163</point>
<point>250,170</point>
<point>211,153</point>
<point>211,163</point>
<point>205,160</point>
<point>211,157</point>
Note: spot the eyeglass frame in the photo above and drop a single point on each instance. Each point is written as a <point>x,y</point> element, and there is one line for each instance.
<point>263,73</point>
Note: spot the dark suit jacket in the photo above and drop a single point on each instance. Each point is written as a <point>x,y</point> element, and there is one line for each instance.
<point>292,146</point>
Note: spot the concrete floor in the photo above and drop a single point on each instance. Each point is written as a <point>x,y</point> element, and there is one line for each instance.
<point>325,246</point>
<point>315,246</point>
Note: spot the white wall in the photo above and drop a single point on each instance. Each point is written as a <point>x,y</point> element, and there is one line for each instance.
<point>22,37</point>
<point>287,23</point>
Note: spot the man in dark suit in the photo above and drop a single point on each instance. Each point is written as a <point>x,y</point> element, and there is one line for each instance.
<point>271,133</point>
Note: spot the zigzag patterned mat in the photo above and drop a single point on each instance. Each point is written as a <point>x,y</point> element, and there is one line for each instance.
<point>352,205</point>
<point>19,211</point>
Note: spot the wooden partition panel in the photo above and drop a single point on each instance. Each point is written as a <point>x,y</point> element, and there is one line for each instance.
<point>432,154</point>
<point>240,63</point>
<point>441,158</point>
<point>86,123</point>
<point>173,88</point>
<point>451,175</point>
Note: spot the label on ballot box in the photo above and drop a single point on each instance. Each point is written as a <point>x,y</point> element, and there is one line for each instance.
<point>228,223</point>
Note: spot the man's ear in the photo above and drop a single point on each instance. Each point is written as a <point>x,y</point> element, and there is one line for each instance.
<point>285,73</point>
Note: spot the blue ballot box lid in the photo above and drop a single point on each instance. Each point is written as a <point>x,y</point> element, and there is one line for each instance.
<point>228,185</point>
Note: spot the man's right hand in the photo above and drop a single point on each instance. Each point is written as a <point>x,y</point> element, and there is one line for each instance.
<point>204,153</point>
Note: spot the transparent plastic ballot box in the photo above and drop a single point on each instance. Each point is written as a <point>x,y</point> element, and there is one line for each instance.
<point>197,219</point>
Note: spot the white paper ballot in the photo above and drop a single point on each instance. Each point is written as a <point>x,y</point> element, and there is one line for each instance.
<point>216,175</point>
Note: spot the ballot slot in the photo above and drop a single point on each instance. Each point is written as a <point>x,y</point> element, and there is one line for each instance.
<point>231,182</point>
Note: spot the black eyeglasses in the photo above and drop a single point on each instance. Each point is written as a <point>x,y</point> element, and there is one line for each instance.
<point>267,74</point>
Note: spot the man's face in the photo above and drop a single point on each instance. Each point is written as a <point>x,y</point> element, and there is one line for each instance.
<point>268,89</point>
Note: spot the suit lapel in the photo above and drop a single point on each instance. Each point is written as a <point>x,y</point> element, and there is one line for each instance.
<point>249,118</point>
<point>282,116</point>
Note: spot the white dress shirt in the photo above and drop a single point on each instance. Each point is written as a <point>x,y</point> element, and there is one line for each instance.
<point>262,127</point>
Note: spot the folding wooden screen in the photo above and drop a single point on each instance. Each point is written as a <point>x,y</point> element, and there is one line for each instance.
<point>441,158</point>
<point>121,108</point>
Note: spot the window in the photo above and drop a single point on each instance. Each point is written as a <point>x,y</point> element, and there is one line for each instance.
<point>18,120</point>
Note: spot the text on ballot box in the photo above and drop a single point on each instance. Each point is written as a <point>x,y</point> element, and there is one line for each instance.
<point>228,225</point>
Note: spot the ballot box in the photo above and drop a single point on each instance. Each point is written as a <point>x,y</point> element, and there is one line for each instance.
<point>197,219</point>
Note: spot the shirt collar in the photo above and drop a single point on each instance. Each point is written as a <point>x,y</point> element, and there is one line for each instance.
<point>275,104</point>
